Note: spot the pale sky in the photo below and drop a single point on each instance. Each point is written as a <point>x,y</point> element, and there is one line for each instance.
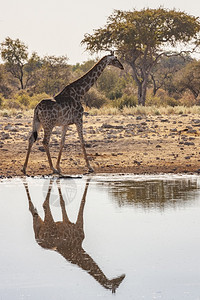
<point>56,27</point>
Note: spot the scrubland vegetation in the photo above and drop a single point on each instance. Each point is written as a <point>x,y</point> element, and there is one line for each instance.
<point>154,80</point>
<point>177,88</point>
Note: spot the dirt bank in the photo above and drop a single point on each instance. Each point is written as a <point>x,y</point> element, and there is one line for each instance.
<point>115,144</point>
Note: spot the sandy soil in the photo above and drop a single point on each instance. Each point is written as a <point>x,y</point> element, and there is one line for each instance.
<point>115,144</point>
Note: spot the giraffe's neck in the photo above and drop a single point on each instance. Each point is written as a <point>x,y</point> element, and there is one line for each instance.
<point>84,83</point>
<point>85,262</point>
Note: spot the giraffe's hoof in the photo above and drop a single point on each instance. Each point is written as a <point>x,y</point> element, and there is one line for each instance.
<point>58,169</point>
<point>55,171</point>
<point>24,170</point>
<point>90,170</point>
<point>116,282</point>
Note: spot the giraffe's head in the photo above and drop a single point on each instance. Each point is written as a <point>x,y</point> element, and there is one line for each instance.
<point>113,61</point>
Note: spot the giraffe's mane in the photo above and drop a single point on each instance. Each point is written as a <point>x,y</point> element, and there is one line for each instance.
<point>70,85</point>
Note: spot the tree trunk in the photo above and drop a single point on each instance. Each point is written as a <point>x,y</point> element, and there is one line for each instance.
<point>154,85</point>
<point>21,83</point>
<point>142,91</point>
<point>21,78</point>
<point>141,83</point>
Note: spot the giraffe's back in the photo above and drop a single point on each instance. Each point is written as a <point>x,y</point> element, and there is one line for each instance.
<point>52,113</point>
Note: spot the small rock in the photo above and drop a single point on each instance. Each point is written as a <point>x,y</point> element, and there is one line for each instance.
<point>196,121</point>
<point>7,127</point>
<point>192,131</point>
<point>41,149</point>
<point>187,157</point>
<point>87,145</point>
<point>18,116</point>
<point>189,143</point>
<point>105,125</point>
<point>5,136</point>
<point>14,129</point>
<point>92,131</point>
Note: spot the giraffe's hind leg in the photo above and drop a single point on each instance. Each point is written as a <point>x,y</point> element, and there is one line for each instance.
<point>62,142</point>
<point>32,139</point>
<point>45,142</point>
<point>79,127</point>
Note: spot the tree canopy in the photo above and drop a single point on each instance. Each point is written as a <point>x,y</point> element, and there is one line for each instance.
<point>142,37</point>
<point>15,54</point>
<point>189,78</point>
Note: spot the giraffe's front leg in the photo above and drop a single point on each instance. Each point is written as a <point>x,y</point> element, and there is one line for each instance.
<point>80,133</point>
<point>47,134</point>
<point>62,142</point>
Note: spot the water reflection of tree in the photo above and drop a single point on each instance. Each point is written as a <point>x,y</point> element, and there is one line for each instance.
<point>154,193</point>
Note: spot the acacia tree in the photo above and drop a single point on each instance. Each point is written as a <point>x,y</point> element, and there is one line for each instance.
<point>15,55</point>
<point>17,63</point>
<point>189,78</point>
<point>141,38</point>
<point>53,75</point>
<point>162,75</point>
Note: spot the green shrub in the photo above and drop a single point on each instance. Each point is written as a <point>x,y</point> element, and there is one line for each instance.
<point>22,98</point>
<point>115,94</point>
<point>10,104</point>
<point>1,100</point>
<point>188,99</point>
<point>160,99</point>
<point>125,101</point>
<point>36,98</point>
<point>94,98</point>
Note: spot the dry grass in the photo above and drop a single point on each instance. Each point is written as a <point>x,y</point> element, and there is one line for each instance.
<point>108,110</point>
<point>15,112</point>
<point>146,110</point>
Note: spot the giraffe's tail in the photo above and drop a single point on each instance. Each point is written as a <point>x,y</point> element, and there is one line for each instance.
<point>36,124</point>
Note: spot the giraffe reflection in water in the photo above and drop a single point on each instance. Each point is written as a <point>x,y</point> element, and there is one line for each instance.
<point>66,237</point>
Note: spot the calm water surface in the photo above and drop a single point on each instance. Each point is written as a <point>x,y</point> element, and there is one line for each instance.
<point>104,237</point>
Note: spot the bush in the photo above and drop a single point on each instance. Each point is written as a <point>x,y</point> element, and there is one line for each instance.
<point>1,100</point>
<point>22,98</point>
<point>36,98</point>
<point>125,101</point>
<point>116,94</point>
<point>10,104</point>
<point>188,99</point>
<point>94,98</point>
<point>160,99</point>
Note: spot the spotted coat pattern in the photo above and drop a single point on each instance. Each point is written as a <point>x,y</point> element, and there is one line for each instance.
<point>66,109</point>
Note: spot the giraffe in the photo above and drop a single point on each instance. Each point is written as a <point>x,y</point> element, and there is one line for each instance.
<point>64,110</point>
<point>66,237</point>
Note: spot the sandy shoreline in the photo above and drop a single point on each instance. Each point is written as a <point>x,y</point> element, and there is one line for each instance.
<point>115,144</point>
